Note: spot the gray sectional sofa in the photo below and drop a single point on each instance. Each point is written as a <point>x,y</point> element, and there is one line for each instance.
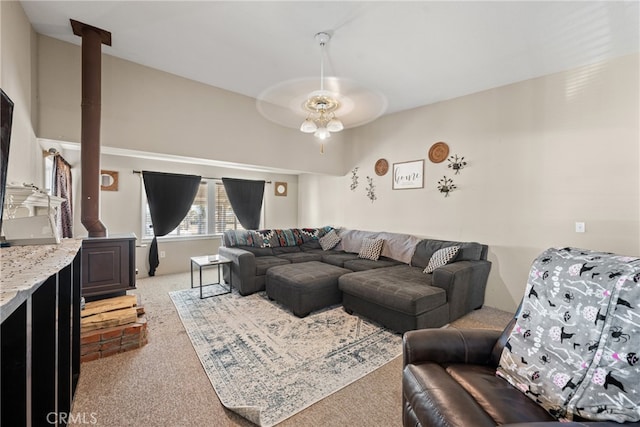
<point>392,290</point>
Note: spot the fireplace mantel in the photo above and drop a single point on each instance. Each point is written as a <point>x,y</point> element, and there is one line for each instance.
<point>23,201</point>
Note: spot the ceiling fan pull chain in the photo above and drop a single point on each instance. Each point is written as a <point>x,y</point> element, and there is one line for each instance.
<point>322,66</point>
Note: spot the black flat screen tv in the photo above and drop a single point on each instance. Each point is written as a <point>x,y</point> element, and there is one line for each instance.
<point>6,115</point>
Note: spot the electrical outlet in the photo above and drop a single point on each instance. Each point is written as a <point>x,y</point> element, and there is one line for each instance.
<point>580,227</point>
<point>162,254</point>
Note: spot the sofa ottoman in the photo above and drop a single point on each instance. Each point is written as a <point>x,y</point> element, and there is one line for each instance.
<point>305,287</point>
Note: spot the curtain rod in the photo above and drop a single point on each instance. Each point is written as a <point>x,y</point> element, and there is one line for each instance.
<point>203,177</point>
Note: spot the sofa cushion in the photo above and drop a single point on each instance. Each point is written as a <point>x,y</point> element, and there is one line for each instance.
<point>435,399</point>
<point>401,288</point>
<point>286,250</point>
<point>367,264</point>
<point>351,240</point>
<point>257,251</point>
<point>338,258</point>
<point>370,249</point>
<point>469,251</point>
<point>398,246</point>
<point>311,245</point>
<point>441,257</point>
<point>329,240</point>
<point>264,263</point>
<point>496,396</point>
<point>297,257</point>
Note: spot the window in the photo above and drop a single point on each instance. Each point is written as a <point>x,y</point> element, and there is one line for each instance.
<point>48,174</point>
<point>225,218</point>
<point>210,213</point>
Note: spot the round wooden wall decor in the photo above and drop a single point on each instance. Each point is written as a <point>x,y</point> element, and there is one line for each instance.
<point>438,152</point>
<point>381,167</point>
<point>280,189</point>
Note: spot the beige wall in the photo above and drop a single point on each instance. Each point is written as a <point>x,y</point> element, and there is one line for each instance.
<point>149,110</point>
<point>18,80</point>
<point>542,154</point>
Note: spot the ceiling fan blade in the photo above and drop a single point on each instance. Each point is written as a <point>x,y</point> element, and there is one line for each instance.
<point>283,103</point>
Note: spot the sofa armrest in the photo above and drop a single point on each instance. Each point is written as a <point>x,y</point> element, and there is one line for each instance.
<point>449,345</point>
<point>243,268</point>
<point>465,283</point>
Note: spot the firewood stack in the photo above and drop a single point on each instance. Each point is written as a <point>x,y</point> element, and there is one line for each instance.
<point>111,326</point>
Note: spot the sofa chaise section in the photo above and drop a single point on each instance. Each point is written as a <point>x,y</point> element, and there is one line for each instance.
<point>404,297</point>
<point>397,297</point>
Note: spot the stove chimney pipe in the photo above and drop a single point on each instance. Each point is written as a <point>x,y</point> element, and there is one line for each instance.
<point>92,39</point>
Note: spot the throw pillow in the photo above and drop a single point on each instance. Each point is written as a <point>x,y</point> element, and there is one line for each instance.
<point>371,249</point>
<point>441,257</point>
<point>329,240</point>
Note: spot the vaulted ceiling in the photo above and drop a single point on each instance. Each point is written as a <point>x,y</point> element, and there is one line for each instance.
<point>412,53</point>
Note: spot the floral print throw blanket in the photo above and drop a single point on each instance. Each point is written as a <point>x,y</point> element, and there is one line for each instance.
<point>575,348</point>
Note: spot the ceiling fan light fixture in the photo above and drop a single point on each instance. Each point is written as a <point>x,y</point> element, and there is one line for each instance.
<point>322,133</point>
<point>297,102</point>
<point>308,126</point>
<point>321,104</point>
<point>334,125</point>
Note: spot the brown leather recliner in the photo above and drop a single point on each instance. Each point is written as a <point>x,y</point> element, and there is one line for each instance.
<point>449,380</point>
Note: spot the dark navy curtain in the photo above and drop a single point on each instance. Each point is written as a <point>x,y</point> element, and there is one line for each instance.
<point>170,197</point>
<point>245,197</point>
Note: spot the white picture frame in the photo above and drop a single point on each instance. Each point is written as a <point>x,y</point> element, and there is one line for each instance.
<point>408,175</point>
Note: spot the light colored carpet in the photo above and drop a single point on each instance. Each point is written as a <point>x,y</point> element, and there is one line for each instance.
<point>267,364</point>
<point>163,383</point>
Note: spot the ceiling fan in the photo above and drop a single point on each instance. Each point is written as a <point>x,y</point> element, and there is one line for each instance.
<point>321,109</point>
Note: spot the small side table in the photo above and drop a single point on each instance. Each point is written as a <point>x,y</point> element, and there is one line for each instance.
<point>209,261</point>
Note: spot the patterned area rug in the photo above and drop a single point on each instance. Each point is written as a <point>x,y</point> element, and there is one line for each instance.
<point>266,364</point>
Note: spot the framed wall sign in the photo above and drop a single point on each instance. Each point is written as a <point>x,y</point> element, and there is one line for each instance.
<point>408,175</point>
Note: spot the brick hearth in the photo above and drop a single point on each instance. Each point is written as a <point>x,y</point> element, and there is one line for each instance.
<point>105,342</point>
